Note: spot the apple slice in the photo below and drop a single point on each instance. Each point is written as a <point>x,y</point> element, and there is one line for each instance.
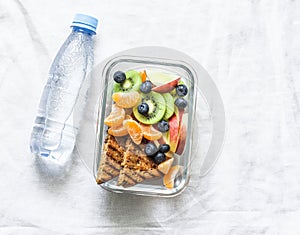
<point>179,114</point>
<point>175,123</point>
<point>167,87</point>
<point>174,132</point>
<point>182,139</point>
<point>158,77</point>
<point>183,118</point>
<point>169,178</point>
<point>165,166</point>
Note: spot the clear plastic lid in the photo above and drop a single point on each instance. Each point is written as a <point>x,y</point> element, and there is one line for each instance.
<point>206,125</point>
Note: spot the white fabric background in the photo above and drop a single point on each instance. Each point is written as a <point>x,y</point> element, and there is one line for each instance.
<point>251,50</point>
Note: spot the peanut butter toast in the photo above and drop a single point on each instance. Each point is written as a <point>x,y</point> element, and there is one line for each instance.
<point>136,166</point>
<point>111,159</point>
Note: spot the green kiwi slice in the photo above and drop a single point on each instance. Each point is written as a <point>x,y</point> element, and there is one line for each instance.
<point>169,105</point>
<point>133,81</point>
<point>157,108</point>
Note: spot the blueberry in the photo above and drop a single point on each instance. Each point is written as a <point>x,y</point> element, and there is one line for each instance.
<point>150,149</point>
<point>164,148</point>
<point>119,77</point>
<point>163,126</point>
<point>159,158</point>
<point>143,108</point>
<point>180,103</point>
<point>181,90</point>
<point>146,87</point>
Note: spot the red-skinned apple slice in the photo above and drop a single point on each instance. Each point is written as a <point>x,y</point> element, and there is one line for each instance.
<point>182,139</point>
<point>175,123</point>
<point>158,77</point>
<point>179,114</point>
<point>167,87</point>
<point>174,132</point>
<point>182,130</point>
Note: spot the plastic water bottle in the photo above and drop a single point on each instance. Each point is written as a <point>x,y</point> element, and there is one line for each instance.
<point>54,132</point>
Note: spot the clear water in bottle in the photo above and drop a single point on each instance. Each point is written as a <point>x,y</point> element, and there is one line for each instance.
<point>54,132</point>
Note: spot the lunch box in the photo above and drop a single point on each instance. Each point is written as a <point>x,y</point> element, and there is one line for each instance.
<point>203,120</point>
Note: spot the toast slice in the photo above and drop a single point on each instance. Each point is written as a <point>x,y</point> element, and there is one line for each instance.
<point>136,166</point>
<point>111,159</point>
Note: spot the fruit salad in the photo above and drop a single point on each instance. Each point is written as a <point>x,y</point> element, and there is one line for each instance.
<point>146,128</point>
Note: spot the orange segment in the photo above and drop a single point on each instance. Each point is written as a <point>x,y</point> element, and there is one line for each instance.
<point>117,131</point>
<point>170,176</point>
<point>135,131</point>
<point>165,166</point>
<point>150,133</point>
<point>126,99</point>
<point>116,117</point>
<point>143,75</point>
<point>120,130</point>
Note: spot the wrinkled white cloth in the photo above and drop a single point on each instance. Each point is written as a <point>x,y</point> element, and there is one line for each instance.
<point>251,50</point>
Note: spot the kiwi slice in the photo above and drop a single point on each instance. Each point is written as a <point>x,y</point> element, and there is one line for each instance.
<point>169,105</point>
<point>133,81</point>
<point>157,108</point>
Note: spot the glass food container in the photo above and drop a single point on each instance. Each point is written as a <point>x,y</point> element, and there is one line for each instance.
<point>142,130</point>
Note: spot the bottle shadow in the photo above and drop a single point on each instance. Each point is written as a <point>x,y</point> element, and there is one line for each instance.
<point>53,177</point>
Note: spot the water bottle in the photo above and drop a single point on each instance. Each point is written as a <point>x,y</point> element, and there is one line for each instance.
<point>54,132</point>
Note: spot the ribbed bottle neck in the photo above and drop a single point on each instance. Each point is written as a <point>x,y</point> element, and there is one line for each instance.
<point>83,30</point>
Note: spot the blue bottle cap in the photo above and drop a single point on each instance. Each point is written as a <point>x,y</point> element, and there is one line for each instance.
<point>85,21</point>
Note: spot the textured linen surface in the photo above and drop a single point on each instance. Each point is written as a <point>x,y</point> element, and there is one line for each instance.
<point>250,49</point>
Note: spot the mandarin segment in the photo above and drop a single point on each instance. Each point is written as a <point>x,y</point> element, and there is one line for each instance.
<point>150,133</point>
<point>143,75</point>
<point>118,131</point>
<point>126,99</point>
<point>116,117</point>
<point>135,131</point>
